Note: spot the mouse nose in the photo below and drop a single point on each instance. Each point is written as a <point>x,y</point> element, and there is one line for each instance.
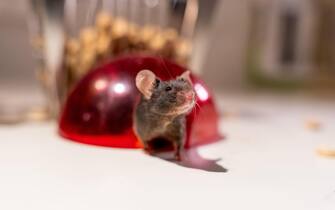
<point>185,96</point>
<point>189,95</point>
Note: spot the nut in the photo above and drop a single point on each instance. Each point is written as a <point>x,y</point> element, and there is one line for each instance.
<point>326,151</point>
<point>157,43</point>
<point>103,44</point>
<point>72,46</point>
<point>103,21</point>
<point>147,33</point>
<point>87,37</point>
<point>313,125</point>
<point>120,28</point>
<point>170,34</point>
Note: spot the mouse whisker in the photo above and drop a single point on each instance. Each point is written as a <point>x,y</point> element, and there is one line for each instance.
<point>197,105</point>
<point>196,109</point>
<point>165,66</point>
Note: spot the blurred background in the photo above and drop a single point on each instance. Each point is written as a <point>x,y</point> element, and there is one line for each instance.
<point>277,46</point>
<point>270,65</point>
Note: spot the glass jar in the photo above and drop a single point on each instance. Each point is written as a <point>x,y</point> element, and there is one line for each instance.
<point>71,37</point>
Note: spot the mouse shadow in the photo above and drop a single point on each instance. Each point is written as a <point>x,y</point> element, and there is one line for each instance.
<point>191,158</point>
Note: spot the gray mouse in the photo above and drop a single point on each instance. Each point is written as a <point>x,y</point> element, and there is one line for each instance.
<point>162,109</point>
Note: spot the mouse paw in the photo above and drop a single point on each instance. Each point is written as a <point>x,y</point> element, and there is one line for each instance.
<point>148,151</point>
<point>177,157</point>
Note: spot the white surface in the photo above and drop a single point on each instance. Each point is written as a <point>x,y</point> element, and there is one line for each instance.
<point>269,155</point>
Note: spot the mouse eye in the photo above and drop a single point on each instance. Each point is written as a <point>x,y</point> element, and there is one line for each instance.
<point>157,82</point>
<point>168,88</point>
<point>182,79</point>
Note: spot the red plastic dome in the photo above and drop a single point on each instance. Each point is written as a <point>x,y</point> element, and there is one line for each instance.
<point>99,110</point>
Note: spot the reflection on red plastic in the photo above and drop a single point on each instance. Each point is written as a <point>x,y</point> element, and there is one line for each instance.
<point>99,110</point>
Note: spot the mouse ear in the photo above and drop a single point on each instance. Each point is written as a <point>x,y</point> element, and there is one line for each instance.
<point>145,81</point>
<point>186,76</point>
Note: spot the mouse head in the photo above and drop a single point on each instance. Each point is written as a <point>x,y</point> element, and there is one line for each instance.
<point>174,97</point>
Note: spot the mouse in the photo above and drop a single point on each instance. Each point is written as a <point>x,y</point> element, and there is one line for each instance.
<point>162,109</point>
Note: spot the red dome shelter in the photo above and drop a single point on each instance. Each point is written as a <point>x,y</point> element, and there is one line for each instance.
<point>99,110</point>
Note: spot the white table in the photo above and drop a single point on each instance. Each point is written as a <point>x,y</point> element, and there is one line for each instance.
<point>269,155</point>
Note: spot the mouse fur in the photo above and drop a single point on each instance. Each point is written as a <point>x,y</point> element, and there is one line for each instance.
<point>162,109</point>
